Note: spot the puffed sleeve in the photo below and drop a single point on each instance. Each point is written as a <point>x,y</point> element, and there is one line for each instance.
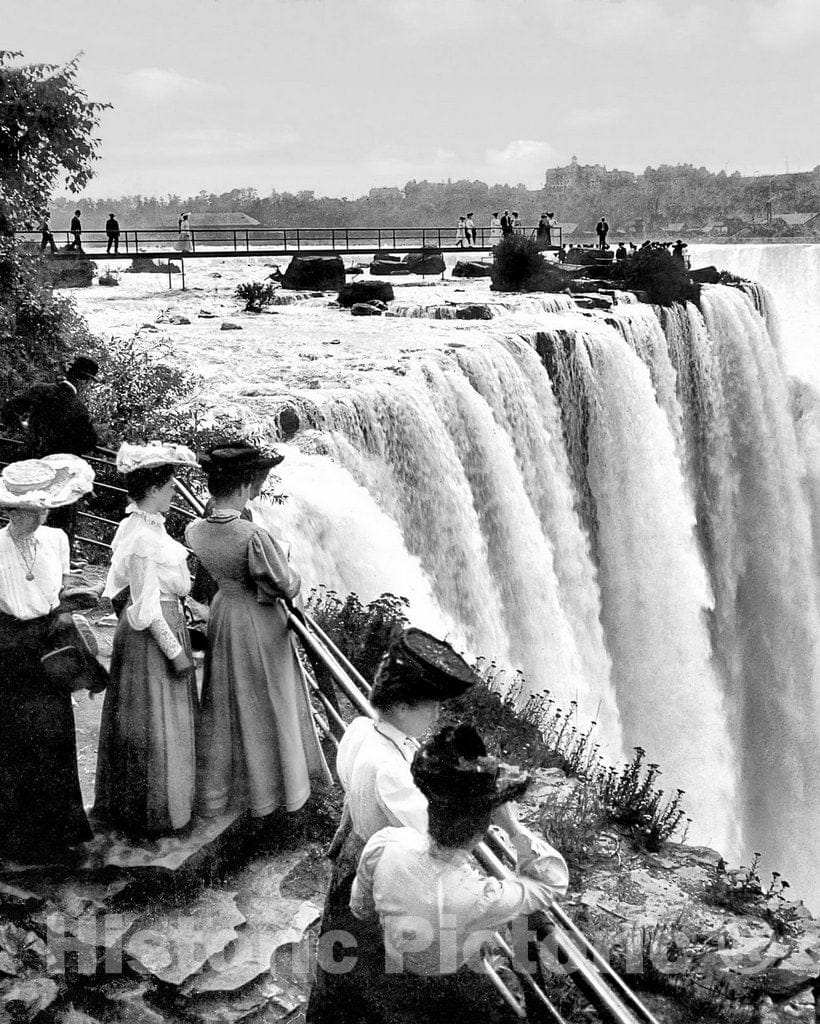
<point>145,611</point>
<point>63,551</point>
<point>361,895</point>
<point>270,570</point>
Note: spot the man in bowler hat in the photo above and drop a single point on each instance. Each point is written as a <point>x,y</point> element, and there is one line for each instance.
<point>57,420</point>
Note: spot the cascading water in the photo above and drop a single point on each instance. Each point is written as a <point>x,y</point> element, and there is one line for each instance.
<point>655,590</point>
<point>614,503</point>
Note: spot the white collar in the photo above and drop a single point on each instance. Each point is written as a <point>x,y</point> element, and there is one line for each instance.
<point>154,518</point>
<point>68,384</point>
<point>405,743</point>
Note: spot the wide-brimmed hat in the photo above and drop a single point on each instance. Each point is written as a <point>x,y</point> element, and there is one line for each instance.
<point>155,453</point>
<point>454,768</point>
<point>417,666</point>
<point>84,368</point>
<point>40,484</point>
<point>238,457</point>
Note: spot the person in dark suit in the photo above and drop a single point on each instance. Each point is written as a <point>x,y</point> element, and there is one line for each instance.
<point>57,420</point>
<point>76,243</point>
<point>112,230</point>
<point>602,230</point>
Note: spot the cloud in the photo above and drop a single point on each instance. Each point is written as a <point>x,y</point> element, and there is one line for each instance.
<point>522,153</point>
<point>161,83</point>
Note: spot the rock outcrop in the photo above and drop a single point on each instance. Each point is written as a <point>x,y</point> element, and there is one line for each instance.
<point>306,273</point>
<point>365,291</point>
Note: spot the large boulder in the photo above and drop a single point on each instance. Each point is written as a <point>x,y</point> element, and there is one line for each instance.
<point>428,261</point>
<point>388,267</point>
<point>474,311</point>
<point>145,265</point>
<point>366,309</point>
<point>365,291</point>
<point>705,275</point>
<point>472,268</point>
<point>306,273</point>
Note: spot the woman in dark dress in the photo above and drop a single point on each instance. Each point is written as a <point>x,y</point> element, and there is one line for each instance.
<point>41,810</point>
<point>256,743</point>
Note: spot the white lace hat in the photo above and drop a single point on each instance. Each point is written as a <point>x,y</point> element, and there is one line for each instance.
<point>155,453</point>
<point>38,484</point>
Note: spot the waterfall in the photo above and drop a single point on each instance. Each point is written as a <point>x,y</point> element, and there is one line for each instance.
<point>766,613</point>
<point>655,590</point>
<point>617,504</point>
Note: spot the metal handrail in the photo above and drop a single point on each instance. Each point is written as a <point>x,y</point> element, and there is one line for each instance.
<point>357,238</point>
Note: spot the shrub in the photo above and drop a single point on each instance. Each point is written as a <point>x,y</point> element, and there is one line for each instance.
<point>255,295</point>
<point>632,800</point>
<point>517,265</point>
<point>654,270</point>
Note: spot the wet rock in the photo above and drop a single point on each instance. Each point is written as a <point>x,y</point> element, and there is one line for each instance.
<point>273,921</point>
<point>472,268</point>
<point>288,420</point>
<point>428,261</point>
<point>26,999</point>
<point>315,272</point>
<point>178,320</point>
<point>227,325</point>
<point>705,275</point>
<point>145,265</point>
<point>474,311</point>
<point>365,291</point>
<point>205,314</point>
<point>174,945</point>
<point>366,309</point>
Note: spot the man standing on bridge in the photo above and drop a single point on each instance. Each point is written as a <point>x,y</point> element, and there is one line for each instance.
<point>112,230</point>
<point>76,232</point>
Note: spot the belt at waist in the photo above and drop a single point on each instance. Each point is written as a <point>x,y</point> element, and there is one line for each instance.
<point>235,588</point>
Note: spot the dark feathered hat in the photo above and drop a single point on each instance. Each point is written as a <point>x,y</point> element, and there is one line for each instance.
<point>417,667</point>
<point>454,768</point>
<point>238,457</point>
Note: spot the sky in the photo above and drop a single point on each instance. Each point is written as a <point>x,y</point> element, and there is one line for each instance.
<point>338,96</point>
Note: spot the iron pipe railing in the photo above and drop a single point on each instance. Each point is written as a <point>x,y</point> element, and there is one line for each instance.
<point>290,239</point>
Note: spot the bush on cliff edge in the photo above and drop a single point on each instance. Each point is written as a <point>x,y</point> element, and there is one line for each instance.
<point>655,271</point>
<point>518,265</point>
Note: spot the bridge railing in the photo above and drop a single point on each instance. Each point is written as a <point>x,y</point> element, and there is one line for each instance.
<point>247,239</point>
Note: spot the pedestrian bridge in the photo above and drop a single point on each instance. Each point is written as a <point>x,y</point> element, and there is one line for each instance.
<point>220,242</point>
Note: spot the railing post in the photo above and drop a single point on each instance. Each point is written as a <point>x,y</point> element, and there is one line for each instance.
<point>247,241</point>
<point>394,238</point>
<point>193,249</point>
<point>136,241</point>
<point>347,239</point>
<point>333,238</point>
<point>299,239</point>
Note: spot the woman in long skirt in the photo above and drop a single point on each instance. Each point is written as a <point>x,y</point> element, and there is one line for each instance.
<point>146,759</point>
<point>256,745</point>
<point>41,807</point>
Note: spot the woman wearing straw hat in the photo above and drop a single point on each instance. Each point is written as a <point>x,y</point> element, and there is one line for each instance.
<point>256,744</point>
<point>146,760</point>
<point>41,809</point>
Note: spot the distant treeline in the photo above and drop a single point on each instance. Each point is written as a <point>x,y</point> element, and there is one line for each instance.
<point>576,193</point>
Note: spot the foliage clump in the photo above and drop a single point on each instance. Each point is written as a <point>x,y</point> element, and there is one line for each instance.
<point>741,890</point>
<point>518,265</point>
<point>657,272</point>
<point>255,295</point>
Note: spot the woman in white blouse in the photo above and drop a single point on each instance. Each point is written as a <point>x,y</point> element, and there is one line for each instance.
<point>146,764</point>
<point>41,808</point>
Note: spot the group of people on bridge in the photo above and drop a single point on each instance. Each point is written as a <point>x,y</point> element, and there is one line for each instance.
<point>112,233</point>
<point>407,914</point>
